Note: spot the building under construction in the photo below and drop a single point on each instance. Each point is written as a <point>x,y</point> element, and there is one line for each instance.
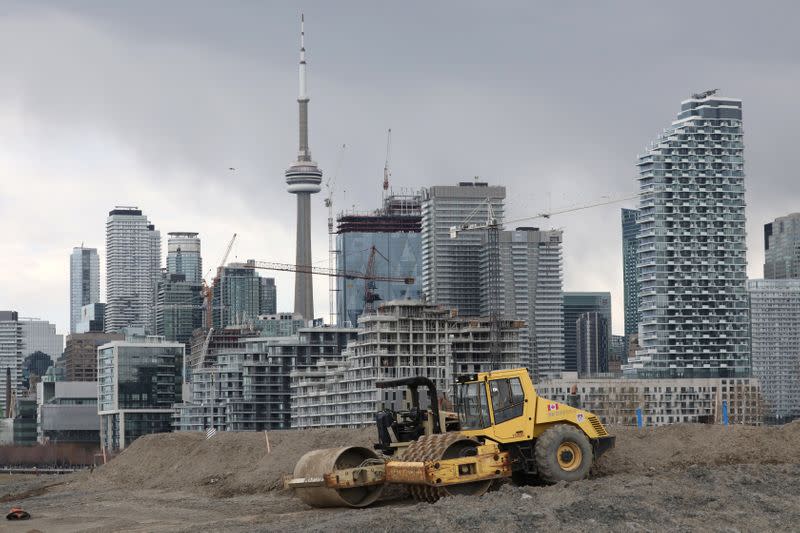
<point>400,339</point>
<point>386,242</point>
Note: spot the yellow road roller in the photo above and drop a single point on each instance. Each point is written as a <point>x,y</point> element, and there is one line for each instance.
<point>503,430</point>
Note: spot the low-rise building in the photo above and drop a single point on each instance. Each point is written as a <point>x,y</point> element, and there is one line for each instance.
<point>67,413</point>
<point>139,380</point>
<point>661,401</point>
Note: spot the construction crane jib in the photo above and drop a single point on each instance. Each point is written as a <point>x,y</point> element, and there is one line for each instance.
<point>321,271</point>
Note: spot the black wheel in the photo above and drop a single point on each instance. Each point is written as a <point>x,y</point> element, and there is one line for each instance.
<point>563,453</point>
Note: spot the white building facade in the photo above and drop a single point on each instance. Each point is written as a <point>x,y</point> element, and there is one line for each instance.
<point>531,290</point>
<point>133,261</point>
<point>661,401</point>
<point>691,246</point>
<point>451,267</point>
<point>10,355</point>
<point>775,343</point>
<point>403,338</point>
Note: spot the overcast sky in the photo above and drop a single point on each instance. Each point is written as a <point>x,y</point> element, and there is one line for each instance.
<point>149,103</point>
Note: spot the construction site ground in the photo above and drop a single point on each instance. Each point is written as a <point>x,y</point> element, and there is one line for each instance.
<point>682,477</point>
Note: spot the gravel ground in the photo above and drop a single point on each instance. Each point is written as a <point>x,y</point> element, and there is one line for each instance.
<point>673,478</point>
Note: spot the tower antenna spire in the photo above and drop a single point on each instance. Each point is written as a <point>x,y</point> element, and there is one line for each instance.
<point>302,95</point>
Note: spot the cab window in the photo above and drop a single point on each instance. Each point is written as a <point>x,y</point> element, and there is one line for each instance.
<point>473,406</point>
<point>507,399</point>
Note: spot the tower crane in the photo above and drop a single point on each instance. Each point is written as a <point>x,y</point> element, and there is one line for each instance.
<point>332,251</point>
<point>208,290</point>
<point>370,290</point>
<point>492,227</point>
<point>321,271</point>
<point>386,171</point>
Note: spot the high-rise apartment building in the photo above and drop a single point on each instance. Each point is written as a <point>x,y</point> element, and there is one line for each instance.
<point>576,304</point>
<point>11,346</point>
<point>179,307</point>
<point>133,259</point>
<point>451,267</point>
<point>84,282</point>
<point>693,317</point>
<point>630,280</point>
<point>775,344</point>
<point>592,344</point>
<point>394,232</point>
<point>183,256</point>
<point>531,290</point>
<point>782,248</point>
<point>269,297</point>
<point>237,295</point>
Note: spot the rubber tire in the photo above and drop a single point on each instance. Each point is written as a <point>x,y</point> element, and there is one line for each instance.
<point>547,447</point>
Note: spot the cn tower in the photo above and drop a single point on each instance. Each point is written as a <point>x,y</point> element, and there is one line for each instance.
<point>303,179</point>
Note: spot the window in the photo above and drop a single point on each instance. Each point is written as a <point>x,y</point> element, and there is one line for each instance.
<point>507,399</point>
<point>473,406</point>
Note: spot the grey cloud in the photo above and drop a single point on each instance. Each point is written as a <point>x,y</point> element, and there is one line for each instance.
<point>552,100</point>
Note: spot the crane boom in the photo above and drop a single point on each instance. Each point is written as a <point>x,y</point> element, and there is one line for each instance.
<point>321,271</point>
<point>227,252</point>
<point>386,171</point>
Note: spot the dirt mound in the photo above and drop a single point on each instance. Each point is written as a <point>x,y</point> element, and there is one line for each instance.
<point>225,465</point>
<point>683,445</point>
<point>232,464</point>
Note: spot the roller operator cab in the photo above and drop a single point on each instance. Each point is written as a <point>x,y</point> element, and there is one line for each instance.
<point>546,440</point>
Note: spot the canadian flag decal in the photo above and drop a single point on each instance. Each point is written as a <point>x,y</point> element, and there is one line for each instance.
<point>552,407</point>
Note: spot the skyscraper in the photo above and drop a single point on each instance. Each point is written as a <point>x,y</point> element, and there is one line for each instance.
<point>303,179</point>
<point>693,316</point>
<point>782,247</point>
<point>576,304</point>
<point>84,282</point>
<point>10,355</point>
<point>531,285</point>
<point>40,336</point>
<point>775,332</point>
<point>183,256</point>
<point>237,296</point>
<point>592,344</point>
<point>133,259</point>
<point>630,249</point>
<point>269,297</point>
<point>394,231</point>
<point>451,268</point>
<point>179,307</point>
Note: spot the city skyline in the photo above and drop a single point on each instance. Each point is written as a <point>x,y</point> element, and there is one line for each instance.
<point>64,146</point>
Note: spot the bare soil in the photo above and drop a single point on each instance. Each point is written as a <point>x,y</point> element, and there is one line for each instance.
<point>682,477</point>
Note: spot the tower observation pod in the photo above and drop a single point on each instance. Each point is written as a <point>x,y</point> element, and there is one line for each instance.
<point>303,179</point>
